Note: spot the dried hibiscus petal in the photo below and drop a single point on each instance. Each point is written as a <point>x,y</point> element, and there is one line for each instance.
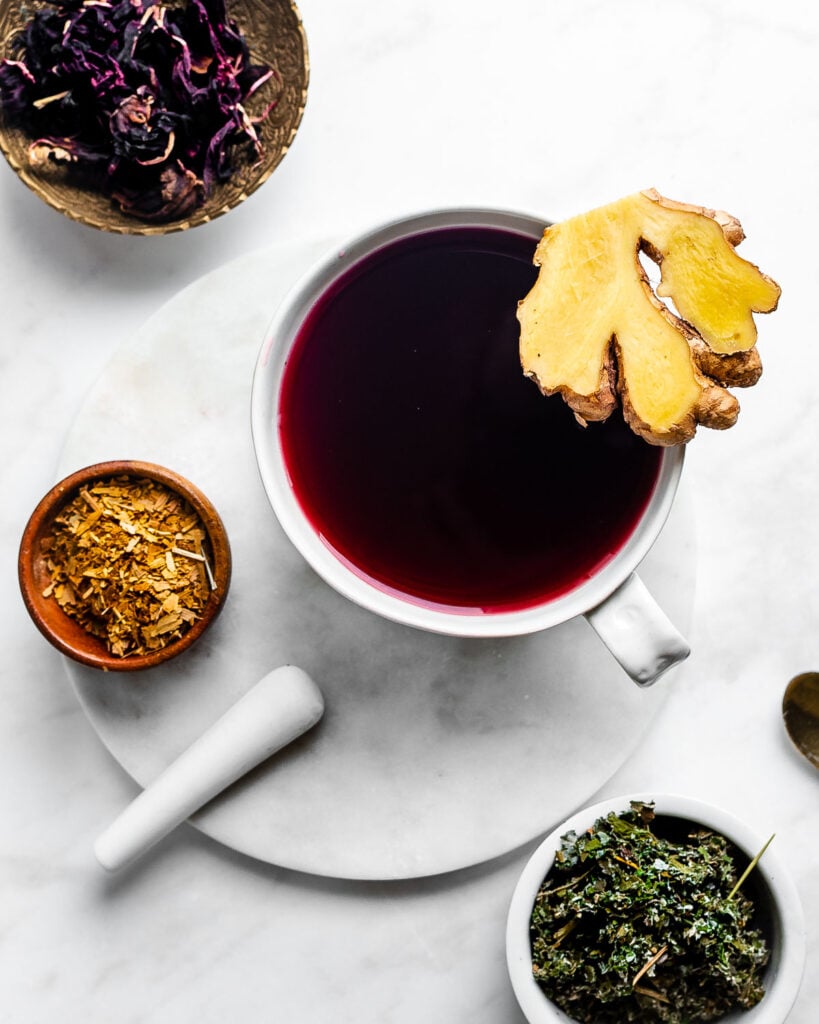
<point>144,101</point>
<point>140,132</point>
<point>176,193</point>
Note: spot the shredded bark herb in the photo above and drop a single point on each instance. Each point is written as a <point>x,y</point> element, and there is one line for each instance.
<point>632,927</point>
<point>145,101</point>
<point>128,560</point>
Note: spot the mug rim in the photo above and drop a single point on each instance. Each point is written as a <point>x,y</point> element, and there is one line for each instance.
<point>343,577</point>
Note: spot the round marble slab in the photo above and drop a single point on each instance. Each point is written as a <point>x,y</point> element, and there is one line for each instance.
<point>434,752</point>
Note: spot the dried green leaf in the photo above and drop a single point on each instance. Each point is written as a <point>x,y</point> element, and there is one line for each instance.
<point>632,925</point>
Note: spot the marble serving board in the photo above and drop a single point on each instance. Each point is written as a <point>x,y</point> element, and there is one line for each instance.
<point>434,752</point>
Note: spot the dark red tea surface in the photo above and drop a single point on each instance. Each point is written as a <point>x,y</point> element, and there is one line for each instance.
<point>424,457</point>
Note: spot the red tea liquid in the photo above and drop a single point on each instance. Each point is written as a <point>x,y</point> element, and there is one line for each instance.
<point>422,455</point>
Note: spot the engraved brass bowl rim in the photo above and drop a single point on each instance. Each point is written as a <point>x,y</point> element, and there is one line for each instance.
<point>65,633</point>
<point>276,36</point>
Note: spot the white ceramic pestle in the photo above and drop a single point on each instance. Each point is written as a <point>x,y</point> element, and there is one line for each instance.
<point>282,706</point>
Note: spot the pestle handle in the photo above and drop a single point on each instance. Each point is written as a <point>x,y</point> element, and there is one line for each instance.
<point>280,707</point>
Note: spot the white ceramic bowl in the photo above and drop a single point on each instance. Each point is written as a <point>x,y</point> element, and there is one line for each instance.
<point>783,973</point>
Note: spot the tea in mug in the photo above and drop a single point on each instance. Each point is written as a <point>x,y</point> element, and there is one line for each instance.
<point>422,455</point>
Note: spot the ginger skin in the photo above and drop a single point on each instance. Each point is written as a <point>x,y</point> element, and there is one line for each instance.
<point>594,331</point>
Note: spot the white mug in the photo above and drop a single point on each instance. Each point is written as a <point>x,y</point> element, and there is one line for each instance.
<point>613,599</point>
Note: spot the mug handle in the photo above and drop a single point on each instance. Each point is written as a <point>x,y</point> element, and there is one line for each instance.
<point>637,632</point>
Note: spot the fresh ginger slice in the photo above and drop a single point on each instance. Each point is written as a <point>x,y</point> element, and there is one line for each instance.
<point>593,330</point>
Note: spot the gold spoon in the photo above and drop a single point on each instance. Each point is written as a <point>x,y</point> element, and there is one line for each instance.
<point>800,710</point>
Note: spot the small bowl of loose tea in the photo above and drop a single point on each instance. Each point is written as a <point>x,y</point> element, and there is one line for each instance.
<point>144,117</point>
<point>655,910</point>
<point>124,565</point>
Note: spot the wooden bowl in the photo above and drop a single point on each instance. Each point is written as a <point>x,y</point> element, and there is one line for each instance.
<point>64,632</point>
<point>275,34</point>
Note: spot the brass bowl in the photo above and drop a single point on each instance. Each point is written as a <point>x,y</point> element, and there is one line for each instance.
<point>276,37</point>
<point>64,632</point>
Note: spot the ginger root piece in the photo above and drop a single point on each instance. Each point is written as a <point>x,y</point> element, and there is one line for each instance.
<point>594,331</point>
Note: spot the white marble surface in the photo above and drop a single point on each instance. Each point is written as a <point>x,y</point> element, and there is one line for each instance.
<point>424,735</point>
<point>536,105</point>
